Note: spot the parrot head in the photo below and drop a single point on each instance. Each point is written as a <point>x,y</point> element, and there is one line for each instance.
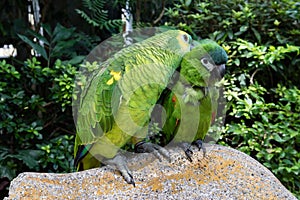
<point>175,41</point>
<point>204,65</point>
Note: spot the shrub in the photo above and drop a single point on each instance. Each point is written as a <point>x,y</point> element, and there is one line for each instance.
<point>267,131</point>
<point>36,120</point>
<point>261,39</point>
<point>265,22</point>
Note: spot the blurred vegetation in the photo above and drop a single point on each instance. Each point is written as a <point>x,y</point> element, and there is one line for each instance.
<point>262,78</point>
<point>262,81</point>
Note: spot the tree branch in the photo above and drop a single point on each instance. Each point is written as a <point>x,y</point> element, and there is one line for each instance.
<point>161,14</point>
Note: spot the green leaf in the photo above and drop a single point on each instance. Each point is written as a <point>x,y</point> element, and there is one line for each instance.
<point>243,28</point>
<point>29,157</point>
<point>75,60</point>
<point>188,3</point>
<point>277,138</point>
<point>230,34</point>
<point>39,37</point>
<point>48,30</point>
<point>38,48</point>
<point>269,156</point>
<point>220,35</point>
<point>237,62</point>
<point>276,22</point>
<point>6,171</point>
<point>62,33</point>
<point>257,35</point>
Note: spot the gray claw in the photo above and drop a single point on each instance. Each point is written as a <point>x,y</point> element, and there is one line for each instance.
<point>200,146</point>
<point>187,150</point>
<point>119,162</point>
<point>158,151</point>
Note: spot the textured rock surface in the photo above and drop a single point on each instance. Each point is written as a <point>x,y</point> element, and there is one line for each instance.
<point>223,174</point>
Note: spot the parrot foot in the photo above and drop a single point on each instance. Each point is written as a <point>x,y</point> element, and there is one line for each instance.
<point>187,148</point>
<point>119,161</point>
<point>158,151</point>
<point>200,145</point>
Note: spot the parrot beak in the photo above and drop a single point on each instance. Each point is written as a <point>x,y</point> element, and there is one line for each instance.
<point>218,72</point>
<point>194,44</point>
<point>221,69</point>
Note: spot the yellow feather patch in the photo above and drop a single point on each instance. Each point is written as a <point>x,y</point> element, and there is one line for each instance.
<point>110,81</point>
<point>115,76</point>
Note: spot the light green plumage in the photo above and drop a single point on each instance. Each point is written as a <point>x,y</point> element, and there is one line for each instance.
<point>192,103</point>
<point>116,103</point>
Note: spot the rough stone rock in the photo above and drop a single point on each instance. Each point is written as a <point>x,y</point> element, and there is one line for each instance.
<point>224,173</point>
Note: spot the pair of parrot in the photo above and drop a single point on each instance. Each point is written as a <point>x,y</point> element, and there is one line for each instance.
<point>118,103</point>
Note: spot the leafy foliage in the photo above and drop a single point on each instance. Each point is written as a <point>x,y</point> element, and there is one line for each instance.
<point>97,16</point>
<point>34,136</point>
<point>277,62</point>
<point>267,22</point>
<point>63,43</point>
<point>261,39</point>
<point>268,131</point>
<point>37,130</point>
<point>262,82</point>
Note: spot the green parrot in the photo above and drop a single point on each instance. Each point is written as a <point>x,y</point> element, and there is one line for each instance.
<point>116,103</point>
<point>189,104</point>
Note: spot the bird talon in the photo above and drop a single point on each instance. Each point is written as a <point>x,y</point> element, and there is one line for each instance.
<point>189,154</point>
<point>200,145</point>
<point>158,151</point>
<point>119,161</point>
<point>187,148</point>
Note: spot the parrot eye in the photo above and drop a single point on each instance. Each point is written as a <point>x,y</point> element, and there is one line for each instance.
<point>204,61</point>
<point>185,38</point>
<point>210,66</point>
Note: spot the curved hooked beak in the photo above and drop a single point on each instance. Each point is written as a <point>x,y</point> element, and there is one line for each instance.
<point>218,72</point>
<point>194,44</point>
<point>221,69</point>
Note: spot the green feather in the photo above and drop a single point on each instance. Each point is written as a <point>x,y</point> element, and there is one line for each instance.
<point>115,103</point>
<point>194,97</point>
